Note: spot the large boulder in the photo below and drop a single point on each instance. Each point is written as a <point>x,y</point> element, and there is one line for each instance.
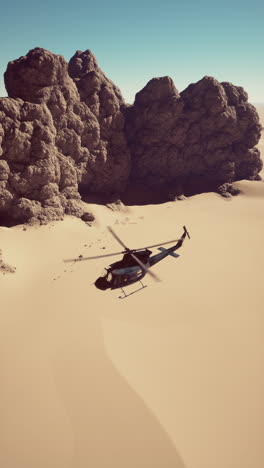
<point>193,141</point>
<point>52,143</point>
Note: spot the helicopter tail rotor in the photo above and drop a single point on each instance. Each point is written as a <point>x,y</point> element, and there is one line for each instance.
<point>185,230</point>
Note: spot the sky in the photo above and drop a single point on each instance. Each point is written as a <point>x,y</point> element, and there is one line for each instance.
<point>141,39</point>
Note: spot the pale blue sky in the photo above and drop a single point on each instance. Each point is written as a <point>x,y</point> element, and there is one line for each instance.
<point>135,41</point>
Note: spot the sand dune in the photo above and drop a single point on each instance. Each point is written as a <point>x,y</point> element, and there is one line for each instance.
<point>171,376</point>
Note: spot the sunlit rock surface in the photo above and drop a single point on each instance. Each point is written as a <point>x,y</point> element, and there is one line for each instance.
<point>65,130</point>
<point>195,140</point>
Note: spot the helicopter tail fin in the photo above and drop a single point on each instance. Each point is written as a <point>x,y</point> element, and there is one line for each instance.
<point>186,232</point>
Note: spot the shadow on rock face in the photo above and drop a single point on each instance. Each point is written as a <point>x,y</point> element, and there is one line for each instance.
<point>139,194</point>
<point>66,126</point>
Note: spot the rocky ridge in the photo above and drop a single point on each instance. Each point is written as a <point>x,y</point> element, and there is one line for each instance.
<point>65,130</point>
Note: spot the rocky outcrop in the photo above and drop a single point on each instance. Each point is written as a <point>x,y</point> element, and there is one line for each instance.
<point>193,141</point>
<point>65,129</point>
<point>112,168</point>
<point>52,143</point>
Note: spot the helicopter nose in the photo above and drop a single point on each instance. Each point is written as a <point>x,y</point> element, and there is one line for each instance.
<point>101,283</point>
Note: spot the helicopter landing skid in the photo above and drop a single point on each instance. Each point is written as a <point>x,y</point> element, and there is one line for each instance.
<point>133,292</point>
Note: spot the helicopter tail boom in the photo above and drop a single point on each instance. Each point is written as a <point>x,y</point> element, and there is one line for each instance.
<point>170,251</point>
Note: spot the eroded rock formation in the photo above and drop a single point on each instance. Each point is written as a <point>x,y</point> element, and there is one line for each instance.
<point>65,129</point>
<point>193,141</point>
<point>53,143</point>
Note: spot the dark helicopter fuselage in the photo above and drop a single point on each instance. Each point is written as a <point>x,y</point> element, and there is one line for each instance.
<point>127,271</point>
<point>134,264</point>
<point>124,272</point>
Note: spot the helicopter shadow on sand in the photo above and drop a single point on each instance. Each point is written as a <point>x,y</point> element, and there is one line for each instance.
<point>111,424</point>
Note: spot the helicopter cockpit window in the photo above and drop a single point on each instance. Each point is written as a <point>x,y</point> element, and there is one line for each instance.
<point>107,275</point>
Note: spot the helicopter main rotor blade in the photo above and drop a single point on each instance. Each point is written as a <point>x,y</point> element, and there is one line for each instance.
<point>117,238</point>
<point>157,245</point>
<point>147,270</point>
<point>80,259</point>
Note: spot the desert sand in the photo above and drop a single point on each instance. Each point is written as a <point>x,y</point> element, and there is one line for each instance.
<point>170,377</point>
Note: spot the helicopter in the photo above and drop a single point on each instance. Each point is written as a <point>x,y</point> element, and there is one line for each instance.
<point>134,265</point>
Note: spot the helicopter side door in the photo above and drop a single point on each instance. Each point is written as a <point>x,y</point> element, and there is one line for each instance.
<point>118,280</point>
